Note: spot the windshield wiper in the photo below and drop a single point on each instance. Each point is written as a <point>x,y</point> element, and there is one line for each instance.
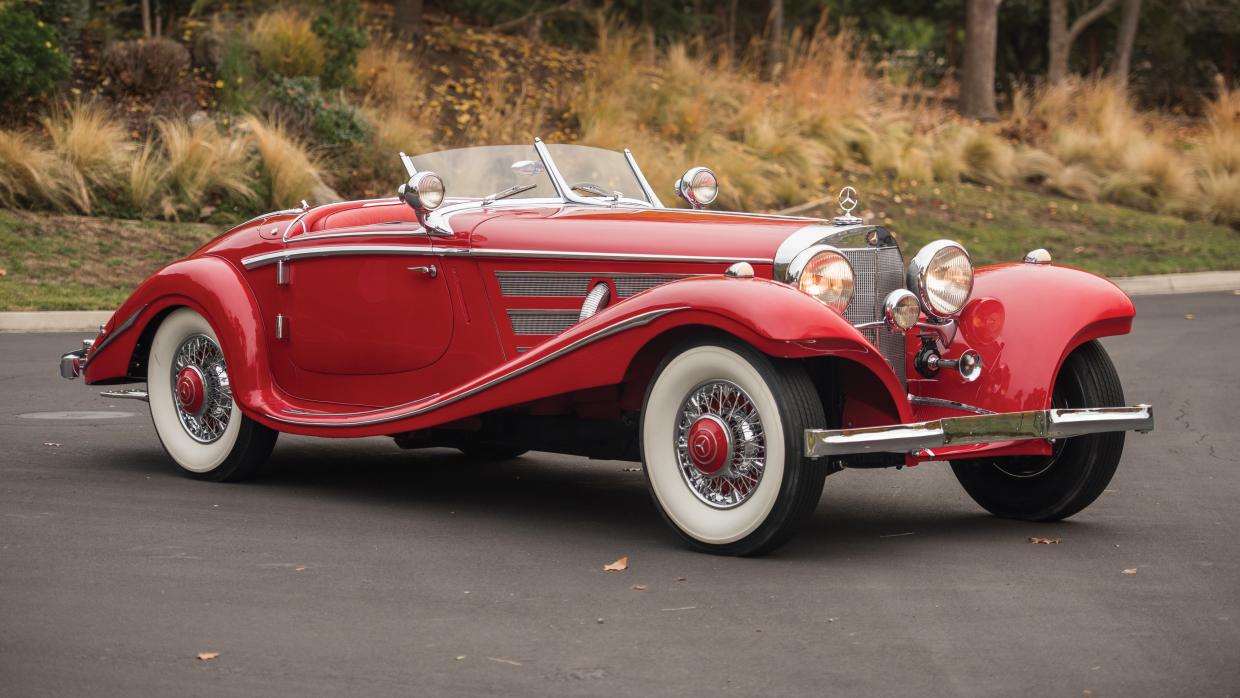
<point>510,191</point>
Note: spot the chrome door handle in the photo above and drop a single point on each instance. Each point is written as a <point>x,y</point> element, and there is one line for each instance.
<point>430,271</point>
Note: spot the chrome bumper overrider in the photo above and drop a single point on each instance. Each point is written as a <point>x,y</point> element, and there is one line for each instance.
<point>71,364</point>
<point>979,429</point>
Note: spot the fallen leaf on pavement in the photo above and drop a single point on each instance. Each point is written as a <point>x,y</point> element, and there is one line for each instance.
<point>52,444</point>
<point>617,566</point>
<point>1190,316</point>
<point>1130,570</point>
<point>459,657</point>
<point>1044,541</point>
<point>208,656</point>
<point>299,568</point>
<point>639,587</point>
<point>680,579</point>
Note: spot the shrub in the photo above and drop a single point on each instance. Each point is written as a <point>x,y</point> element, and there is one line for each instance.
<point>288,171</point>
<point>146,66</point>
<point>386,76</point>
<point>93,146</point>
<point>29,173</point>
<point>146,182</point>
<point>202,162</point>
<point>286,45</point>
<point>988,159</point>
<point>30,55</point>
<point>303,106</point>
<point>337,26</point>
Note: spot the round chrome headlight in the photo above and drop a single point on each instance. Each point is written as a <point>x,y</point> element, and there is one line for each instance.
<point>824,273</point>
<point>942,277</point>
<point>425,190</point>
<point>699,186</point>
<point>900,310</point>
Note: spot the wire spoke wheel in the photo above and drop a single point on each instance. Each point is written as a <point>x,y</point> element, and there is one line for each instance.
<point>720,444</point>
<point>200,389</point>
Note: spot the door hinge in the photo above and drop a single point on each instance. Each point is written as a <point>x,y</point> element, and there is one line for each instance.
<point>281,327</point>
<point>282,272</point>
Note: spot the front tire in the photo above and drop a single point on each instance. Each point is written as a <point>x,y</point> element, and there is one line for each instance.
<point>197,421</point>
<point>1054,487</point>
<point>723,447</point>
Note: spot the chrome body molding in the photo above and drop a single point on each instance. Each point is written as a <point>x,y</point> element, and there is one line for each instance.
<point>126,395</point>
<point>949,404</point>
<point>120,329</point>
<point>259,260</point>
<point>408,410</point>
<point>978,429</point>
<point>609,256</point>
<point>418,231</point>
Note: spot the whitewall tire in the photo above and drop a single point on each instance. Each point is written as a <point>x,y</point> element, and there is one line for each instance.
<point>199,425</point>
<point>723,449</point>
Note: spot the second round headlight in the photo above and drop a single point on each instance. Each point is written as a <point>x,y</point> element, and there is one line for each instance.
<point>942,276</point>
<point>825,274</point>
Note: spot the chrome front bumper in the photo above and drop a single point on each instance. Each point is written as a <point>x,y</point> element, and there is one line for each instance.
<point>979,429</point>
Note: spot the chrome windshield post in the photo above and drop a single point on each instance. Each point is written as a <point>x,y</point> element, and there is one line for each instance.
<point>641,179</point>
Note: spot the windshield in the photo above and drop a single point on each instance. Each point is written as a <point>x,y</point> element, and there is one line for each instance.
<point>475,173</point>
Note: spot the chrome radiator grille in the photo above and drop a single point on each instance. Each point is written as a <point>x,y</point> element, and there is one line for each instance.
<point>878,271</point>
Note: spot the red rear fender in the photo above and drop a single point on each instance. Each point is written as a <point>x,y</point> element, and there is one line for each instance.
<point>213,288</point>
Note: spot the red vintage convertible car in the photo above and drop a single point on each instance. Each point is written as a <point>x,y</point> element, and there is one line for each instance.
<point>545,299</point>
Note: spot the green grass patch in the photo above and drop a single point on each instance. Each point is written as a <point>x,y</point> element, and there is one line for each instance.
<point>55,262</point>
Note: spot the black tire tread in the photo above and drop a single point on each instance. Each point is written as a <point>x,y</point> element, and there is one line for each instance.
<point>1097,455</point>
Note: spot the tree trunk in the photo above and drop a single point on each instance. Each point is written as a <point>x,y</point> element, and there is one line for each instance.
<point>146,18</point>
<point>1059,43</point>
<point>732,30</point>
<point>977,75</point>
<point>407,20</point>
<point>775,40</point>
<point>1122,63</point>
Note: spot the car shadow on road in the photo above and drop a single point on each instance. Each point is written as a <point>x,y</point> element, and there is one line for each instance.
<point>608,498</point>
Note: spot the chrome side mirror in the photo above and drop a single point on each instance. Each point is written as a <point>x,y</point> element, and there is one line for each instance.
<point>424,192</point>
<point>699,186</point>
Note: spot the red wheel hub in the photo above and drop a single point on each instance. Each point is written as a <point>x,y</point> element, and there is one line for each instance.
<point>191,390</point>
<point>710,444</point>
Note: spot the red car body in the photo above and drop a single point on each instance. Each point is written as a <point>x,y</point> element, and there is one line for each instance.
<point>549,323</point>
<point>372,349</point>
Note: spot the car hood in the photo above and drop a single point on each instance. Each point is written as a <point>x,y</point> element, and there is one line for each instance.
<point>755,238</point>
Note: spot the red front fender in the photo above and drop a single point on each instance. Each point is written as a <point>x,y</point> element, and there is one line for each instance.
<point>1025,319</point>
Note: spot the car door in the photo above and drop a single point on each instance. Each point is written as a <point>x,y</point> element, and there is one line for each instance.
<point>359,313</point>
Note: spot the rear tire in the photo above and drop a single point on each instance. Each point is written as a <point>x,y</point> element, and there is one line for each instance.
<point>198,423</point>
<point>722,439</point>
<point>1050,488</point>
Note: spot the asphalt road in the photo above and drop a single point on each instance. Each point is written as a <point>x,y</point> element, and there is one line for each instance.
<point>356,567</point>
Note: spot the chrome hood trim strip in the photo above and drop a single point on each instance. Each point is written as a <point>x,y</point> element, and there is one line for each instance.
<point>639,320</point>
<point>258,260</point>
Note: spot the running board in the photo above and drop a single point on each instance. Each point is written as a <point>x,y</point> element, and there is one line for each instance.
<point>979,429</point>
